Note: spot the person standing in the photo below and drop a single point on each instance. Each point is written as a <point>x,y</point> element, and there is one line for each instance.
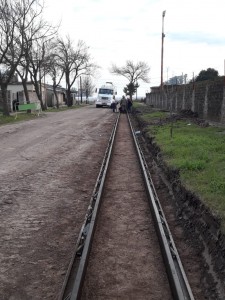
<point>113,105</point>
<point>123,105</point>
<point>129,105</point>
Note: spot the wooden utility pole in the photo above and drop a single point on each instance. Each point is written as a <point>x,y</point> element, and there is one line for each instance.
<point>163,36</point>
<point>224,71</point>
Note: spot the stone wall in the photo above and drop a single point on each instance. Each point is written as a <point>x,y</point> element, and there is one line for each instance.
<point>207,98</point>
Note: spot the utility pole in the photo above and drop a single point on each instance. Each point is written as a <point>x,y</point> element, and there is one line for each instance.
<point>163,36</point>
<point>40,84</point>
<point>224,71</point>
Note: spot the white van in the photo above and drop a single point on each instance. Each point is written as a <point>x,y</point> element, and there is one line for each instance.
<point>106,95</point>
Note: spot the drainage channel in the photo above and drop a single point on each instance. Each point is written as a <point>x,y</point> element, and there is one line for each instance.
<point>178,281</point>
<point>76,271</point>
<point>74,280</point>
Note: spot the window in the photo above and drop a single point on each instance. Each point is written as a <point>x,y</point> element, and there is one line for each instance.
<point>105,91</point>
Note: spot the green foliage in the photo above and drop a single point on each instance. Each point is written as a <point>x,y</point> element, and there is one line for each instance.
<point>11,119</point>
<point>157,115</point>
<point>138,105</point>
<point>130,89</point>
<point>209,74</point>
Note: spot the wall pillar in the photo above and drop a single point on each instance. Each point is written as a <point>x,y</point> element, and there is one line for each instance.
<point>205,107</point>
<point>222,119</point>
<point>193,101</point>
<point>183,99</point>
<point>176,101</point>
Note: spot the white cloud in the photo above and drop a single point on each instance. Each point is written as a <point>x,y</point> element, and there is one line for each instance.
<point>121,30</point>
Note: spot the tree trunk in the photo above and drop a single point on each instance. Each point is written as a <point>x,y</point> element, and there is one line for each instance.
<point>68,90</point>
<point>25,90</point>
<point>131,97</point>
<point>5,106</point>
<point>23,78</point>
<point>56,96</point>
<point>37,88</point>
<point>68,94</point>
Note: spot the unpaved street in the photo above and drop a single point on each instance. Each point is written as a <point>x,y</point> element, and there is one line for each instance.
<point>48,170</point>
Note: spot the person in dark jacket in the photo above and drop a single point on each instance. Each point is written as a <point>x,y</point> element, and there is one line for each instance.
<point>123,105</point>
<point>129,105</point>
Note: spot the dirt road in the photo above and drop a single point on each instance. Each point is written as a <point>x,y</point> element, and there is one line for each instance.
<point>48,170</point>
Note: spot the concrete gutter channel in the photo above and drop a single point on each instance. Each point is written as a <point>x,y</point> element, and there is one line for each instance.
<point>178,281</point>
<point>74,278</point>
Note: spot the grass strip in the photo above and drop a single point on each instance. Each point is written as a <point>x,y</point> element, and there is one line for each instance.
<point>198,153</point>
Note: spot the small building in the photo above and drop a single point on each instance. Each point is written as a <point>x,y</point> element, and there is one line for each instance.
<point>16,94</point>
<point>51,98</point>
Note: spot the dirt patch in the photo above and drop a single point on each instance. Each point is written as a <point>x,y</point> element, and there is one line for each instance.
<point>195,228</point>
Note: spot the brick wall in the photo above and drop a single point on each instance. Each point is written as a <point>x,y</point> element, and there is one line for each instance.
<point>207,98</point>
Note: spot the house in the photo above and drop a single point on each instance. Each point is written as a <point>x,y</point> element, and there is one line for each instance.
<point>51,98</point>
<point>16,94</point>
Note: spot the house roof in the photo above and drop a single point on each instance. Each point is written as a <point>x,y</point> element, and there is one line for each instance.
<point>48,86</point>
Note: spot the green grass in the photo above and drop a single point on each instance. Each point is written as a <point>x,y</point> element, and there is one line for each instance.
<point>156,115</point>
<point>137,104</point>
<point>199,154</point>
<point>20,117</point>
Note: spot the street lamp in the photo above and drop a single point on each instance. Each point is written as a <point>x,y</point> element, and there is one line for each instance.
<point>163,35</point>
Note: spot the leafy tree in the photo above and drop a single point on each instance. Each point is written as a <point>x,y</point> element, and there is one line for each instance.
<point>130,89</point>
<point>181,79</point>
<point>209,74</point>
<point>133,72</point>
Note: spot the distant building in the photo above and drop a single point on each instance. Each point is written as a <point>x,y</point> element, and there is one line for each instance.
<point>50,96</point>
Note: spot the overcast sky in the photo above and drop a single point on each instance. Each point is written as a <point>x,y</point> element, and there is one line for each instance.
<point>121,30</point>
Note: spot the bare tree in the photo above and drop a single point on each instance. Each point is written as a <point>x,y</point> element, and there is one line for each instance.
<point>16,18</point>
<point>75,62</point>
<point>39,57</point>
<point>39,30</point>
<point>133,72</point>
<point>88,86</point>
<point>54,69</point>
